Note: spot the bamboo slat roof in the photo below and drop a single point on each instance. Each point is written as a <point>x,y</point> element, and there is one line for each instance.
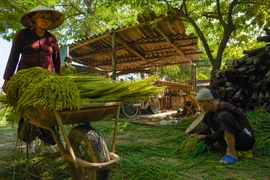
<point>138,48</point>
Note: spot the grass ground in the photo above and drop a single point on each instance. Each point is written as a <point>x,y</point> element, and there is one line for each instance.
<point>146,153</point>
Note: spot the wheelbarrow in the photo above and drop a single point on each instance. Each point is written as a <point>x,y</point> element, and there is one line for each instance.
<point>85,151</point>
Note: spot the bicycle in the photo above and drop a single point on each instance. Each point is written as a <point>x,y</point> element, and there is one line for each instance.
<point>132,108</point>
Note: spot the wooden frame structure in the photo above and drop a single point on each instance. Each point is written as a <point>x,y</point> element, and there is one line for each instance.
<point>138,49</point>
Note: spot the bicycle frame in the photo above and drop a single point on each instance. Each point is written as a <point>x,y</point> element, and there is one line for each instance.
<point>132,108</point>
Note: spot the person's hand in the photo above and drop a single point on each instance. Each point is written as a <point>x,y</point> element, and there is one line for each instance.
<point>198,136</point>
<point>4,86</point>
<point>193,135</point>
<point>198,113</point>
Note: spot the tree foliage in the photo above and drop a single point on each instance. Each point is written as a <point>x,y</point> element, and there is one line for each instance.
<point>177,73</point>
<point>11,12</point>
<point>84,18</point>
<point>225,27</point>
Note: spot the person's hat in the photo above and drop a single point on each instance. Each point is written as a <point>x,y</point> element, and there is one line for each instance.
<point>57,17</point>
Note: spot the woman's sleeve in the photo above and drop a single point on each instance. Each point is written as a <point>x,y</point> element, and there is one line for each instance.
<point>214,137</point>
<point>205,130</point>
<point>56,57</point>
<point>14,55</point>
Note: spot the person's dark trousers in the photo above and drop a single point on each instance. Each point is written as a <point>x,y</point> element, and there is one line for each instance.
<point>226,122</point>
<point>28,132</point>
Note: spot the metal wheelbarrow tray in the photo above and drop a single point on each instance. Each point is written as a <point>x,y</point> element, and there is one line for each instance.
<point>82,140</point>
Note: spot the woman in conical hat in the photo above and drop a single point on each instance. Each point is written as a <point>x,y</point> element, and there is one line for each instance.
<point>36,46</point>
<point>57,18</point>
<point>226,126</point>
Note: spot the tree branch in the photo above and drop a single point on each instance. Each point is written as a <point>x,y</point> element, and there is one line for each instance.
<point>232,5</point>
<point>223,23</point>
<point>76,8</point>
<point>185,7</point>
<point>73,15</point>
<point>89,3</point>
<point>228,29</point>
<point>210,15</point>
<point>185,15</point>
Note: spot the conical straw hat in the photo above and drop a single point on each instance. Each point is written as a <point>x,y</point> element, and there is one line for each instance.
<point>57,17</point>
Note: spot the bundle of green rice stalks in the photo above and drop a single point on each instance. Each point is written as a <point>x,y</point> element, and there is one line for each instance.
<point>101,89</point>
<point>22,79</point>
<point>260,122</point>
<point>188,145</point>
<point>192,146</point>
<point>55,92</point>
<point>200,148</point>
<point>39,87</point>
<point>3,98</point>
<point>3,105</point>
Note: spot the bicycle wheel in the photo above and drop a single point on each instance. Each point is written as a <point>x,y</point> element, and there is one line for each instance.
<point>130,109</point>
<point>89,146</point>
<point>154,104</point>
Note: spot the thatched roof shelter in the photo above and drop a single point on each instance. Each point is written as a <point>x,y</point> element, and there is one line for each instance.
<point>138,48</point>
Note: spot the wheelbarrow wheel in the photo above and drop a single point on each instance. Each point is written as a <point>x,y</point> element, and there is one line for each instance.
<point>89,146</point>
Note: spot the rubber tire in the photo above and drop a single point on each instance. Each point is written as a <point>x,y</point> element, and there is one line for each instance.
<point>154,106</point>
<point>128,109</point>
<point>90,146</point>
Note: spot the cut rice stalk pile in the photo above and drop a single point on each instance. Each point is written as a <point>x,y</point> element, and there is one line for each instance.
<point>101,89</point>
<point>260,122</point>
<point>39,87</point>
<point>200,148</point>
<point>192,146</point>
<point>188,145</point>
<point>53,92</point>
<point>3,99</point>
<point>22,79</point>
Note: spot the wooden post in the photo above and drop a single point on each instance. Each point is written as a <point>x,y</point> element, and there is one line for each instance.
<point>113,57</point>
<point>69,148</point>
<point>117,112</point>
<point>194,79</point>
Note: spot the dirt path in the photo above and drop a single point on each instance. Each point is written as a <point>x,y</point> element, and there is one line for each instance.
<point>8,139</point>
<point>146,144</point>
<point>8,142</point>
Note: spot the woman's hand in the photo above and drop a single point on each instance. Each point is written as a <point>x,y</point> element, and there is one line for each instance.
<point>4,86</point>
<point>193,135</point>
<point>198,136</point>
